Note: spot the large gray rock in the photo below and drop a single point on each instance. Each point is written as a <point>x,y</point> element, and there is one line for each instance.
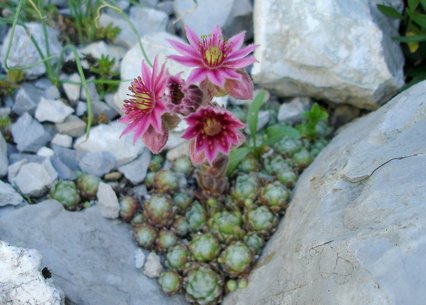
<point>21,279</point>
<point>154,45</point>
<point>4,162</point>
<point>106,138</point>
<point>90,258</point>
<point>341,51</point>
<point>355,232</point>
<point>24,53</point>
<point>28,134</point>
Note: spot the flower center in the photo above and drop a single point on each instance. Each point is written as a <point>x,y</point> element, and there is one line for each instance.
<point>141,97</point>
<point>212,127</point>
<point>214,49</point>
<point>213,56</point>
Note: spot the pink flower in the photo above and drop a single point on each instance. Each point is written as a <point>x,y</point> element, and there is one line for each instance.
<point>143,111</point>
<point>182,98</point>
<point>214,57</point>
<point>212,130</point>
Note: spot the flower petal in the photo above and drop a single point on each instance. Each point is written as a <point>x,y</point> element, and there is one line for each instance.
<point>240,63</point>
<point>237,40</point>
<point>188,61</point>
<point>146,75</point>
<point>192,37</point>
<point>182,48</point>
<point>241,53</point>
<point>216,77</point>
<point>197,75</point>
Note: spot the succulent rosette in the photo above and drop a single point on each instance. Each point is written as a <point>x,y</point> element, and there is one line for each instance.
<point>129,205</point>
<point>204,247</point>
<point>159,210</point>
<point>170,282</point>
<point>145,235</point>
<point>177,257</point>
<point>144,109</point>
<point>203,285</point>
<point>66,193</point>
<point>165,240</point>
<point>215,58</point>
<point>212,130</point>
<point>236,259</point>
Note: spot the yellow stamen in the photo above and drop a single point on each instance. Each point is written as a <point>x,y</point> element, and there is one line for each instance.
<point>212,127</point>
<point>214,55</point>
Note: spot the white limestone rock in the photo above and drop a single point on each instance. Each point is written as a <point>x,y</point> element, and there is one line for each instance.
<point>108,138</point>
<point>341,51</point>
<point>292,112</point>
<point>21,280</point>
<point>62,140</point>
<point>23,51</point>
<point>152,268</point>
<point>72,90</point>
<point>35,179</point>
<point>72,126</point>
<point>54,111</point>
<point>107,201</point>
<point>355,231</point>
<point>136,170</point>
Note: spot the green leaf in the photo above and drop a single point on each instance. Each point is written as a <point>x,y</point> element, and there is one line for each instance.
<point>235,157</point>
<point>418,18</point>
<point>423,3</point>
<point>389,11</point>
<point>412,4</point>
<point>410,39</point>
<point>253,113</point>
<point>277,132</point>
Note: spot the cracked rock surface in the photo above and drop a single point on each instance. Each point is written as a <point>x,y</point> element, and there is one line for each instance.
<point>355,232</point>
<point>21,279</point>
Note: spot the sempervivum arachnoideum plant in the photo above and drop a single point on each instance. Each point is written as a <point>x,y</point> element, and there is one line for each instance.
<point>203,285</point>
<point>170,282</point>
<point>255,242</point>
<point>275,196</point>
<point>196,216</point>
<point>236,259</point>
<point>145,235</point>
<point>87,185</point>
<point>129,205</point>
<point>165,240</point>
<point>159,210</point>
<point>260,220</point>
<point>183,165</point>
<point>182,201</point>
<point>66,193</point>
<point>177,257</point>
<point>166,181</point>
<point>246,189</point>
<point>204,247</point>
<point>227,226</point>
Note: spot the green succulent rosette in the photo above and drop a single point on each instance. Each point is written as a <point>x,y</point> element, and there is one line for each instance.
<point>177,257</point>
<point>66,193</point>
<point>227,226</point>
<point>166,181</point>
<point>170,282</point>
<point>165,240</point>
<point>145,235</point>
<point>129,205</point>
<point>275,196</point>
<point>261,220</point>
<point>236,259</point>
<point>196,217</point>
<point>203,286</point>
<point>159,210</point>
<point>204,247</point>
<point>87,185</point>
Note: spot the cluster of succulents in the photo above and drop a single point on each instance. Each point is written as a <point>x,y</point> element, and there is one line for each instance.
<point>75,195</point>
<point>209,243</point>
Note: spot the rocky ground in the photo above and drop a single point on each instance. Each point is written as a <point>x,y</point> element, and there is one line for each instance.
<point>353,232</point>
